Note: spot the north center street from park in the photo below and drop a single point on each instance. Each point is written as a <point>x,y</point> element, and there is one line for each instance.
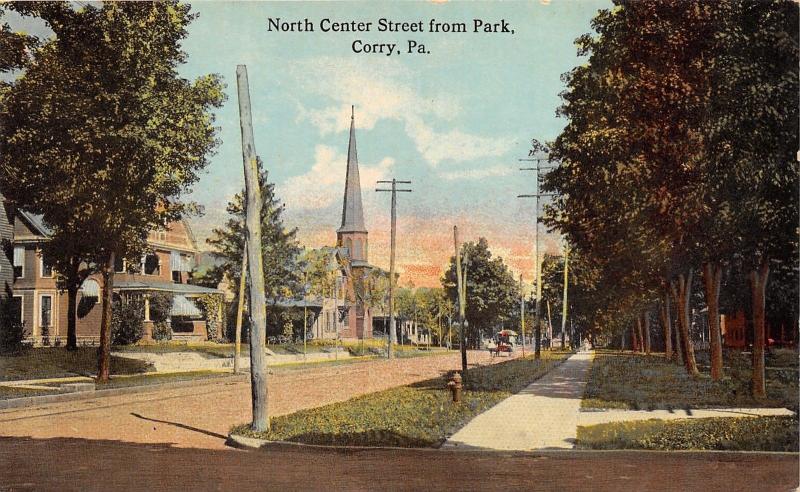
<point>201,416</point>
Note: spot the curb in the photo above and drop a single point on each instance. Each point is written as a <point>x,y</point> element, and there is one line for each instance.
<point>254,444</point>
<point>29,401</point>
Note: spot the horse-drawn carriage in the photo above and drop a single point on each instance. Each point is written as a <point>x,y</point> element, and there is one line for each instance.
<point>505,341</point>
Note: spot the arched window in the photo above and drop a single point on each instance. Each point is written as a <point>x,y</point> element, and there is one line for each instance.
<point>348,243</point>
<point>357,252</point>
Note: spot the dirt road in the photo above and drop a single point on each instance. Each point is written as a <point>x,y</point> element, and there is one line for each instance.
<point>200,416</point>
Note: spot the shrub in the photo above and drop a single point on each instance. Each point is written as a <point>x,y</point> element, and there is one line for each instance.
<point>160,306</point>
<point>210,305</point>
<point>11,330</point>
<point>127,321</point>
<point>161,331</point>
<point>230,325</point>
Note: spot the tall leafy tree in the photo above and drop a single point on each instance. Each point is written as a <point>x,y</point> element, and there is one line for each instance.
<point>281,252</point>
<point>752,144</point>
<point>102,134</point>
<point>492,292</point>
<point>679,153</point>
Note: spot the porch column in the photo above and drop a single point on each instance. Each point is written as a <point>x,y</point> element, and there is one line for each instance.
<point>147,307</point>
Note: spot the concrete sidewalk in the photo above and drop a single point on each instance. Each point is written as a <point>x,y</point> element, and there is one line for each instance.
<point>542,416</point>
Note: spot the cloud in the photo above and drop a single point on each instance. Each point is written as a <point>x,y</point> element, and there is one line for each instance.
<point>479,173</point>
<point>385,90</point>
<point>323,185</point>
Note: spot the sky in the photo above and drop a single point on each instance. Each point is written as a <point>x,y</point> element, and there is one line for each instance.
<point>454,120</point>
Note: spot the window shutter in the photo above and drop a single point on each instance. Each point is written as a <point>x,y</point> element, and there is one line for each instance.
<point>175,261</point>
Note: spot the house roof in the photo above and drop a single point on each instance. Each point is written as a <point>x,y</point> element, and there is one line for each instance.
<point>352,209</point>
<point>37,222</point>
<point>147,284</point>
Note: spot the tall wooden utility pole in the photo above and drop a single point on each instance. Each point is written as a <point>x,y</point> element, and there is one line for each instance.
<point>393,332</point>
<point>522,313</point>
<point>258,305</point>
<point>537,265</point>
<point>461,283</point>
<point>564,303</point>
<point>240,312</point>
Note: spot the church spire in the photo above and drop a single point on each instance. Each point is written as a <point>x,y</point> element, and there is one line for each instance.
<point>352,210</point>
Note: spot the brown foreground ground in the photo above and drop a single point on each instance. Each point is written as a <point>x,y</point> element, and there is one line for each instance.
<point>79,464</point>
<point>173,439</point>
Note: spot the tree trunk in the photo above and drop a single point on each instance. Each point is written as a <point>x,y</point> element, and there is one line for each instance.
<point>712,277</point>
<point>666,324</point>
<point>679,355</point>
<point>72,304</point>
<point>104,351</point>
<point>758,285</point>
<point>73,284</point>
<point>634,338</point>
<point>683,293</point>
<point>460,282</point>
<point>640,333</point>
<point>646,332</point>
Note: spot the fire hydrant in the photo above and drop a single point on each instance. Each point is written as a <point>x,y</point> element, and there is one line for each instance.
<point>455,386</point>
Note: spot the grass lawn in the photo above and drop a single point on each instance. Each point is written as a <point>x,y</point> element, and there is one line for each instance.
<point>208,348</point>
<point>7,393</point>
<point>730,434</point>
<point>213,349</point>
<point>159,378</point>
<point>639,382</point>
<point>417,415</point>
<point>51,362</point>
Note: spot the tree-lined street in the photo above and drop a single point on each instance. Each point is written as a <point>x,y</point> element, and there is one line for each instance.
<point>664,245</point>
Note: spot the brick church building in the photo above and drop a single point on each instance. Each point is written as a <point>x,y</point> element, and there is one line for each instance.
<point>353,245</point>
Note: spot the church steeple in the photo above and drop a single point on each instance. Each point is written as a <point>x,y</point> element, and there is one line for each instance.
<point>353,234</point>
<point>352,210</point>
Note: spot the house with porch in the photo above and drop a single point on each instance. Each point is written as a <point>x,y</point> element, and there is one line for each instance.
<point>42,307</point>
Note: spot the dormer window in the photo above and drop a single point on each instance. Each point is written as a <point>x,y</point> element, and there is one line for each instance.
<point>179,263</point>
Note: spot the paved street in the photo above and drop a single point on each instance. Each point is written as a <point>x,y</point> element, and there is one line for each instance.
<point>78,464</point>
<point>200,416</point>
<point>542,416</point>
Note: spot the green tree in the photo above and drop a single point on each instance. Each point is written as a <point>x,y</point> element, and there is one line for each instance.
<point>492,292</point>
<point>281,252</point>
<point>679,155</point>
<point>102,134</point>
<point>320,268</point>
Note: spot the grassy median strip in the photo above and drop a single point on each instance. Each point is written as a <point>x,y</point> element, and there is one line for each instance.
<point>52,362</point>
<point>729,434</point>
<point>640,382</point>
<point>417,415</point>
